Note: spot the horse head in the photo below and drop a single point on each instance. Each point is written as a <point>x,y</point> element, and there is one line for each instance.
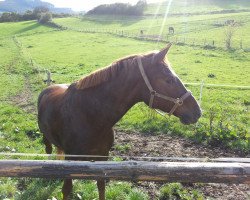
<point>164,90</point>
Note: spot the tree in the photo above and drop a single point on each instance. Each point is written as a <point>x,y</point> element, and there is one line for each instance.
<point>229,33</point>
<point>120,9</point>
<point>9,17</point>
<point>28,15</point>
<point>39,10</point>
<point>45,17</point>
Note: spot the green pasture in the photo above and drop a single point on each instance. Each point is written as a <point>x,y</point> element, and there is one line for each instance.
<point>28,50</point>
<point>60,52</point>
<point>196,6</point>
<point>69,56</point>
<point>27,27</point>
<point>193,29</point>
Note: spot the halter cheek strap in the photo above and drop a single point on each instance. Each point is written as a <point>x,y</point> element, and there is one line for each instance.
<point>177,102</point>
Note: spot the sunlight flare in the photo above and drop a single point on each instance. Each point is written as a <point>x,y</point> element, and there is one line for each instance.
<point>155,17</point>
<point>165,18</point>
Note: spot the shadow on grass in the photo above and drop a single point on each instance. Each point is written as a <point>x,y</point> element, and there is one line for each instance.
<point>112,19</point>
<point>29,22</point>
<point>39,189</point>
<point>28,28</point>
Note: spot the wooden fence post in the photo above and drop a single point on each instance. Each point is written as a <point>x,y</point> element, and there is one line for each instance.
<point>49,80</point>
<point>201,90</point>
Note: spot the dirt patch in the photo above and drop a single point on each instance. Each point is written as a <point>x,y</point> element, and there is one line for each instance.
<point>172,146</point>
<point>24,98</point>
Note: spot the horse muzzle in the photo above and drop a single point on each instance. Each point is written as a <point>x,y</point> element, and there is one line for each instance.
<point>187,119</point>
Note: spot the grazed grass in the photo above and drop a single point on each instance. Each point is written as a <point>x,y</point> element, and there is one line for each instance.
<point>193,29</point>
<point>197,6</point>
<point>26,27</point>
<point>61,51</point>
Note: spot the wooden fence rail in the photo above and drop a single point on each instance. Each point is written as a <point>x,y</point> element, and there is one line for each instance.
<point>192,172</point>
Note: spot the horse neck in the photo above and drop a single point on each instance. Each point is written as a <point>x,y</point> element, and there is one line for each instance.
<point>109,101</point>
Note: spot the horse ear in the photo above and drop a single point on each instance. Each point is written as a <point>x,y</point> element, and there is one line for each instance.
<point>158,57</point>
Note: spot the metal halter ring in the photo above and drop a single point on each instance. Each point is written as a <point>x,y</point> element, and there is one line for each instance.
<point>153,92</point>
<point>179,101</point>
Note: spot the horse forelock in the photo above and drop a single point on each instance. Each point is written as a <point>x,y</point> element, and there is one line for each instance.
<point>107,73</point>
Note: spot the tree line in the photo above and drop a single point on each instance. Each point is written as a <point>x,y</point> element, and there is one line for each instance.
<point>119,9</point>
<point>42,14</point>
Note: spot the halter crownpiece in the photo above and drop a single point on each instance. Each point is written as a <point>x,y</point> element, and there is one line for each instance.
<point>177,102</point>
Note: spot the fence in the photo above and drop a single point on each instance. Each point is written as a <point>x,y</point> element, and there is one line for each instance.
<point>191,172</point>
<point>180,40</point>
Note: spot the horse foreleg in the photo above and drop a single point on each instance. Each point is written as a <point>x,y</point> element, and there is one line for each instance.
<point>67,189</point>
<point>48,145</point>
<point>101,189</point>
<point>60,153</point>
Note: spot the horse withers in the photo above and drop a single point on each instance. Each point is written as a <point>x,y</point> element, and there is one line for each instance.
<point>78,118</point>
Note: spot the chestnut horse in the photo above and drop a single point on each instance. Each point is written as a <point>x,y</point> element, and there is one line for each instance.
<point>78,118</point>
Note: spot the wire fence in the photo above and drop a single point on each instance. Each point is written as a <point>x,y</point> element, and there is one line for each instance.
<point>173,38</point>
<point>48,79</point>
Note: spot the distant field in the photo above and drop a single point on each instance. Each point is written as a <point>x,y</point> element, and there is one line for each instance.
<point>195,29</point>
<point>197,6</point>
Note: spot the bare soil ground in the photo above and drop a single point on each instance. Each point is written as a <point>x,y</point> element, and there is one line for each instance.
<point>24,98</point>
<point>173,146</point>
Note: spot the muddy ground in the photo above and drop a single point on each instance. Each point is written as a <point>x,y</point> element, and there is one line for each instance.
<point>138,144</point>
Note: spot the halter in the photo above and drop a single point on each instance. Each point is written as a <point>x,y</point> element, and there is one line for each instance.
<point>177,102</point>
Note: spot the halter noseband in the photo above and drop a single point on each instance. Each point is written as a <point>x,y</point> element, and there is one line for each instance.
<point>178,101</point>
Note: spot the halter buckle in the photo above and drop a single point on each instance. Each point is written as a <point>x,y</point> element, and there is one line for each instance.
<point>179,102</point>
<point>153,92</point>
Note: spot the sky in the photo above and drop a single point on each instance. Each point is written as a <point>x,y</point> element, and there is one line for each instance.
<point>85,5</point>
<point>79,5</point>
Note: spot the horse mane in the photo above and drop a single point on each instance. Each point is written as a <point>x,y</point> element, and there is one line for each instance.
<point>106,74</point>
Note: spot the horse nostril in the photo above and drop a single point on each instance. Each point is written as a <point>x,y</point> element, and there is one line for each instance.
<point>200,113</point>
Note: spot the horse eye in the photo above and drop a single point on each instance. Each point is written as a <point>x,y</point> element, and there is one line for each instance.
<point>169,81</point>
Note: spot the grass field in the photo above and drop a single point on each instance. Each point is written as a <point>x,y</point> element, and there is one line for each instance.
<point>197,6</point>
<point>28,50</point>
<point>194,29</point>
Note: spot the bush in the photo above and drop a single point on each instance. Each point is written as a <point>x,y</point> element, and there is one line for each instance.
<point>120,9</point>
<point>45,17</point>
<point>41,14</point>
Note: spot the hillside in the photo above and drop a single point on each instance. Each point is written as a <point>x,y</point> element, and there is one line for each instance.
<point>21,6</point>
<point>197,7</point>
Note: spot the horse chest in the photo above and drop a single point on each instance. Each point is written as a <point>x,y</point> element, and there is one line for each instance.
<point>89,143</point>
